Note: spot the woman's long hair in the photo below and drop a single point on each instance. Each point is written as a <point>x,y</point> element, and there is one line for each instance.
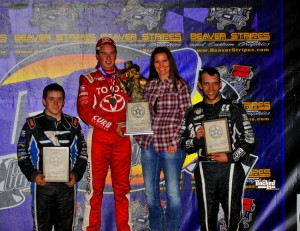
<point>174,74</point>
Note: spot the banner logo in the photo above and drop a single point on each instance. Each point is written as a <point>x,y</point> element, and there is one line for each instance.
<point>12,183</point>
<point>235,16</point>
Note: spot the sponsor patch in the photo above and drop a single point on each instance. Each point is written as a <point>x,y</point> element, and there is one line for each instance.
<point>31,122</point>
<point>75,122</point>
<point>83,93</point>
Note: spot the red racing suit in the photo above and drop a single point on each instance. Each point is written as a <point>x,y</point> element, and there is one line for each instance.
<point>105,147</point>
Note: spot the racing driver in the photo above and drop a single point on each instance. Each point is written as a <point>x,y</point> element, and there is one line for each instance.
<point>219,176</point>
<point>101,104</point>
<point>46,134</point>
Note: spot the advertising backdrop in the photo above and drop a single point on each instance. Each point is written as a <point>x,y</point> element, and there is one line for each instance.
<point>44,41</point>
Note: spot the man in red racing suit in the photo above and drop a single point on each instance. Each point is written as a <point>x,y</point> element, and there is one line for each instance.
<point>101,104</point>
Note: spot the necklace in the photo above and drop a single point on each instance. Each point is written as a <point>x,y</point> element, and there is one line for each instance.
<point>113,99</point>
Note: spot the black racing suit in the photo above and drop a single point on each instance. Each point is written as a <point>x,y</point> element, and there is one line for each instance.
<point>53,204</point>
<point>219,182</point>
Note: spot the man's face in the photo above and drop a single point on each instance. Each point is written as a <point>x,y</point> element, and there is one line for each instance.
<point>107,56</point>
<point>54,104</point>
<point>210,85</point>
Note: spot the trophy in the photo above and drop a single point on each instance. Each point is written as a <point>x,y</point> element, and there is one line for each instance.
<point>137,110</point>
<point>56,164</point>
<point>217,137</point>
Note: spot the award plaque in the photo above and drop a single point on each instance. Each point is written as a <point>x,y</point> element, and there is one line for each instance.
<point>56,164</point>
<point>138,118</point>
<point>217,137</point>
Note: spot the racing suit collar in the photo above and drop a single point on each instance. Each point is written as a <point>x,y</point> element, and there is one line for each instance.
<point>215,104</point>
<point>62,121</point>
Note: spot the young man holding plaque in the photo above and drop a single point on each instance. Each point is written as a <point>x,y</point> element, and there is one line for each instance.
<point>52,154</point>
<point>219,174</point>
<point>101,104</point>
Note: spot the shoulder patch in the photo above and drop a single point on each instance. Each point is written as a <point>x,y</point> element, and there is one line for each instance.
<point>88,76</point>
<point>75,122</point>
<point>35,120</point>
<point>72,121</point>
<point>31,122</point>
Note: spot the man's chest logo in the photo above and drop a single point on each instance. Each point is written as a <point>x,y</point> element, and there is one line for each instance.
<point>107,106</point>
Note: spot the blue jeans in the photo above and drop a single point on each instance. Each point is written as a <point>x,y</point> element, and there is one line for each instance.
<point>171,164</point>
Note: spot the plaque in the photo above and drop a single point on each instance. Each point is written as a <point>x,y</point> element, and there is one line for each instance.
<point>138,118</point>
<point>56,164</point>
<point>217,137</point>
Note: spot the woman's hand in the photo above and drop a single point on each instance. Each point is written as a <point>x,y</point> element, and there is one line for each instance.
<point>171,149</point>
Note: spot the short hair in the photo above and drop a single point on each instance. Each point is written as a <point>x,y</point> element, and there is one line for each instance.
<point>53,87</point>
<point>210,71</point>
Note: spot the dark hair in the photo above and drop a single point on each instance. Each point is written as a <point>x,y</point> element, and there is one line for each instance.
<point>174,74</point>
<point>210,71</point>
<point>53,87</point>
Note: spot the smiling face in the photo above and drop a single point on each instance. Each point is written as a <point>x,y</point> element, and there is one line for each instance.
<point>107,56</point>
<point>54,103</point>
<point>210,85</point>
<point>162,65</point>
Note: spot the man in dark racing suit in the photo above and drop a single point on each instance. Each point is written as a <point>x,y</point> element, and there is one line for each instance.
<point>54,203</point>
<point>219,177</point>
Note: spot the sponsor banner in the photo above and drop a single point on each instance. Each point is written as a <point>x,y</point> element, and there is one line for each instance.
<point>43,41</point>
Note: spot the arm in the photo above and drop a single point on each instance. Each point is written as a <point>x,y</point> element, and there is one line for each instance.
<point>244,135</point>
<point>188,139</point>
<point>85,106</point>
<point>80,158</point>
<point>24,156</point>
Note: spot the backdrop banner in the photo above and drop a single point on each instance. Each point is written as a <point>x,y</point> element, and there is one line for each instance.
<point>44,41</point>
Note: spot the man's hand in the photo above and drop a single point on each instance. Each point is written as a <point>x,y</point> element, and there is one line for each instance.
<point>120,128</point>
<point>219,157</point>
<point>39,180</point>
<point>171,149</point>
<point>72,180</point>
<point>200,133</point>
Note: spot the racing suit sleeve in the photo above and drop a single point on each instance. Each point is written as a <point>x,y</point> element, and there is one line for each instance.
<point>85,107</point>
<point>242,133</point>
<point>184,104</point>
<point>81,155</point>
<point>23,153</point>
<point>187,135</point>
